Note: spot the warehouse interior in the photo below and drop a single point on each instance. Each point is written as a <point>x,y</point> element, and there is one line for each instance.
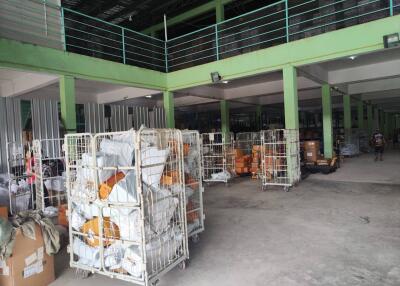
<point>202,142</point>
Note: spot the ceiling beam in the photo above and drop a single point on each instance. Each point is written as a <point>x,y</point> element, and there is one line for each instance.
<point>185,16</point>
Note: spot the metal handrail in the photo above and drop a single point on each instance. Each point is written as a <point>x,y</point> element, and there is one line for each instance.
<point>273,24</point>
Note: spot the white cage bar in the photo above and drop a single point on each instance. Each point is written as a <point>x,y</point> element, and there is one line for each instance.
<point>280,158</point>
<point>193,183</point>
<point>49,172</point>
<point>218,157</point>
<point>246,140</point>
<point>21,180</point>
<point>126,201</point>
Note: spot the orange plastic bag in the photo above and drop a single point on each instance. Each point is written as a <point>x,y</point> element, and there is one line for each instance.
<point>106,187</point>
<point>110,232</point>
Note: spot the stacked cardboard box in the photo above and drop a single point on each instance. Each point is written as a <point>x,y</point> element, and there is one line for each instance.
<point>311,151</point>
<point>242,164</point>
<point>255,161</point>
<point>29,264</point>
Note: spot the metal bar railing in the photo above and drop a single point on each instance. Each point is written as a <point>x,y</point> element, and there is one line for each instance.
<point>281,22</point>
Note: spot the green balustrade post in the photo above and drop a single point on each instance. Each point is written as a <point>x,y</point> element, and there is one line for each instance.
<point>123,45</point>
<point>287,20</point>
<point>391,7</point>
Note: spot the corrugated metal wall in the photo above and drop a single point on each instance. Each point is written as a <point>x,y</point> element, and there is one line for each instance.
<point>45,120</point>
<point>157,118</point>
<point>123,117</point>
<point>10,127</point>
<point>95,120</point>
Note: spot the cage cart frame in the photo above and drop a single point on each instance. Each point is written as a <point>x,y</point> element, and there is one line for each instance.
<point>194,181</point>
<point>280,158</point>
<point>48,176</point>
<point>17,171</point>
<point>127,204</point>
<point>246,140</point>
<point>217,156</point>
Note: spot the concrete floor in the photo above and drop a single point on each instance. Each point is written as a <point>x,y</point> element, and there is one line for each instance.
<point>323,232</point>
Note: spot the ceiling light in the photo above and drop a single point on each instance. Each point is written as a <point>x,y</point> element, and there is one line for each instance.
<point>225,81</point>
<point>148,96</point>
<point>352,58</point>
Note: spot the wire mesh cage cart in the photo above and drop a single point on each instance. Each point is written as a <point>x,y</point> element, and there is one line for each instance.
<point>126,203</point>
<point>218,157</point>
<point>49,172</point>
<point>246,153</point>
<point>193,183</point>
<point>280,158</point>
<point>246,140</point>
<point>21,180</point>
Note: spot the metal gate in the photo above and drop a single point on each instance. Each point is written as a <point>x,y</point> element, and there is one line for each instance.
<point>49,173</point>
<point>218,157</point>
<point>193,182</point>
<point>20,176</point>
<point>280,158</point>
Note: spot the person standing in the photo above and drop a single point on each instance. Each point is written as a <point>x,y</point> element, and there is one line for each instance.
<point>378,142</point>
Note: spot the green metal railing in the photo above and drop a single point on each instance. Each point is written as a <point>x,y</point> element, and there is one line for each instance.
<point>278,23</point>
<point>43,23</point>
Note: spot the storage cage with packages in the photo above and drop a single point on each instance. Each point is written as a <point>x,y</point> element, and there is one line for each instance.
<point>193,183</point>
<point>126,203</point>
<point>49,175</point>
<point>20,175</point>
<point>280,158</point>
<point>218,157</point>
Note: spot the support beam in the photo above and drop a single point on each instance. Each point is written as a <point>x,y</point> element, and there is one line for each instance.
<point>360,114</point>
<point>258,117</point>
<point>386,125</point>
<point>290,97</point>
<point>186,16</point>
<point>225,124</point>
<point>327,121</point>
<point>67,102</point>
<point>169,108</point>
<point>381,119</point>
<point>347,114</point>
<point>370,119</point>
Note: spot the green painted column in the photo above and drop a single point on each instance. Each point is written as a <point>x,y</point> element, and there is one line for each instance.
<point>360,114</point>
<point>347,114</point>
<point>386,124</point>
<point>258,117</point>
<point>290,97</point>
<point>225,127</point>
<point>327,121</point>
<point>169,107</point>
<point>219,11</point>
<point>381,119</point>
<point>67,102</point>
<point>370,119</point>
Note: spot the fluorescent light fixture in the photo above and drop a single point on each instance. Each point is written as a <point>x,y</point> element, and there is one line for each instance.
<point>392,40</point>
<point>148,96</point>
<point>352,58</point>
<point>225,81</point>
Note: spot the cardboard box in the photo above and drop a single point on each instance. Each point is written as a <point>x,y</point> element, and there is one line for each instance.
<point>311,151</point>
<point>4,212</point>
<point>62,215</point>
<point>29,264</point>
<point>170,178</point>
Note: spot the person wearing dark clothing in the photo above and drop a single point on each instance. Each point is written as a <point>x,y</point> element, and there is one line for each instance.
<point>378,142</point>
